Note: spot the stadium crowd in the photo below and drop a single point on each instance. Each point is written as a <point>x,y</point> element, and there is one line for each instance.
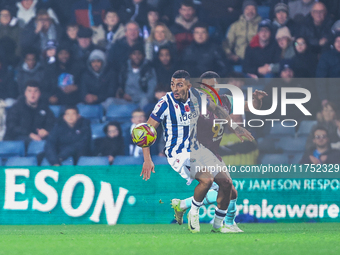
<point>116,54</point>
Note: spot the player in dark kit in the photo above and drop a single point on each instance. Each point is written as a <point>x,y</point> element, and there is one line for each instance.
<point>210,136</point>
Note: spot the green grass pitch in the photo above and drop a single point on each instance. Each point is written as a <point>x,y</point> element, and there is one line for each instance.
<point>301,238</point>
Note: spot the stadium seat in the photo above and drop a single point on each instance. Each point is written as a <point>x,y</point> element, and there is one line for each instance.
<point>280,131</point>
<point>93,161</point>
<point>275,159</point>
<point>157,160</point>
<point>295,159</point>
<point>35,148</point>
<point>292,145</point>
<point>94,113</point>
<point>263,11</point>
<point>66,162</point>
<point>128,160</point>
<point>306,127</point>
<point>121,113</point>
<point>238,68</point>
<point>12,148</point>
<point>21,161</point>
<point>266,145</point>
<point>56,109</point>
<point>97,130</point>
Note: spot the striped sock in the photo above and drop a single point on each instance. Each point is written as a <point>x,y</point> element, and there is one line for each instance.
<point>195,207</point>
<point>231,213</point>
<point>219,217</point>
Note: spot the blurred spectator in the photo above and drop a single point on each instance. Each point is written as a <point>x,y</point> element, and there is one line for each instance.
<point>153,18</point>
<point>29,69</point>
<point>98,82</point>
<point>286,80</point>
<point>50,52</point>
<point>329,67</point>
<point>304,62</point>
<point>202,55</point>
<point>27,10</point>
<point>241,32</point>
<point>165,67</point>
<point>120,50</point>
<point>262,52</point>
<point>29,118</point>
<point>184,22</point>
<point>138,117</point>
<point>272,4</point>
<point>328,119</point>
<point>64,77</point>
<point>9,27</point>
<point>82,50</point>
<point>282,19</point>
<point>300,9</point>
<point>63,10</point>
<point>138,78</point>
<point>285,42</point>
<point>110,31</point>
<point>2,119</point>
<point>8,87</point>
<point>221,12</point>
<point>39,30</point>
<point>70,137</point>
<point>134,10</point>
<point>89,13</point>
<point>160,36</point>
<point>70,37</point>
<point>112,144</point>
<point>322,153</point>
<point>317,28</point>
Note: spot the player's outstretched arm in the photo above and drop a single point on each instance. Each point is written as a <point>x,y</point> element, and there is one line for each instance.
<point>148,165</point>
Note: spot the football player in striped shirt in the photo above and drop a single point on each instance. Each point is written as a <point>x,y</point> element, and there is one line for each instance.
<point>210,136</point>
<point>178,111</point>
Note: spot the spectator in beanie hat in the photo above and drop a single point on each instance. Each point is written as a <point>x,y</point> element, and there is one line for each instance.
<point>241,32</point>
<point>85,46</point>
<point>282,19</point>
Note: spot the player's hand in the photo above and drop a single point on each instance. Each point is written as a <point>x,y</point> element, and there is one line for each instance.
<point>242,132</point>
<point>259,95</point>
<point>148,167</point>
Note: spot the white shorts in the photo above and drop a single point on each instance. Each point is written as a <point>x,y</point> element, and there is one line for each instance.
<point>187,164</point>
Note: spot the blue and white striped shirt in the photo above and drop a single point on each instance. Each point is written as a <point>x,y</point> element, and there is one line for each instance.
<point>179,121</point>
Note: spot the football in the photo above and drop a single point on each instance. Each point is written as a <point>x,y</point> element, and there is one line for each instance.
<point>144,135</point>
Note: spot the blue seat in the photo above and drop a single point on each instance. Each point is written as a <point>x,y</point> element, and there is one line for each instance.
<point>21,161</point>
<point>263,11</point>
<point>91,112</point>
<point>306,127</point>
<point>266,144</point>
<point>56,109</point>
<point>295,159</point>
<point>121,113</point>
<point>157,160</point>
<point>35,148</point>
<point>97,130</point>
<point>128,160</point>
<point>292,145</point>
<point>93,161</point>
<point>12,148</point>
<point>280,131</point>
<point>238,68</point>
<point>275,159</point>
<point>66,162</point>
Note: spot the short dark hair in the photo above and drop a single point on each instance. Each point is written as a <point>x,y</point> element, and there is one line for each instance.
<point>32,83</point>
<point>30,51</point>
<point>137,110</point>
<point>71,107</point>
<point>153,9</point>
<point>111,10</point>
<point>319,127</point>
<point>188,3</point>
<point>210,75</point>
<point>42,12</point>
<point>200,25</point>
<point>113,123</point>
<point>181,74</point>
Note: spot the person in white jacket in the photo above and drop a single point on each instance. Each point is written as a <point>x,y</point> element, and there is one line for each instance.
<point>27,10</point>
